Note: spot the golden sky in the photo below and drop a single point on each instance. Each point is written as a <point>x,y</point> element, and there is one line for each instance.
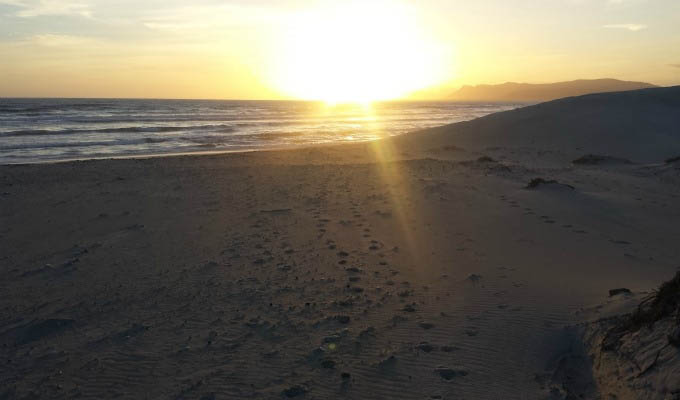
<point>330,50</point>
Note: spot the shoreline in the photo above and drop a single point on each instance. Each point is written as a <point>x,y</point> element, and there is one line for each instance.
<point>199,153</point>
<point>142,156</point>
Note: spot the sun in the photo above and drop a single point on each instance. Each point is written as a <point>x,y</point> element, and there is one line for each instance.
<point>358,52</point>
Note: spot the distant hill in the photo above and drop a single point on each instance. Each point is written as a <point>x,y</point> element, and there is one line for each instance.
<point>527,92</point>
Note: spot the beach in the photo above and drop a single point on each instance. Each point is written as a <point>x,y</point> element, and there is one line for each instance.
<point>455,262</point>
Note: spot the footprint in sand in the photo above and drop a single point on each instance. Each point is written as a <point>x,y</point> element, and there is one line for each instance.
<point>450,373</point>
<point>425,347</point>
<point>426,325</point>
<point>471,332</point>
<point>474,278</point>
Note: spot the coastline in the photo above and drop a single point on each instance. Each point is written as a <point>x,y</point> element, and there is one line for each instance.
<point>414,266</point>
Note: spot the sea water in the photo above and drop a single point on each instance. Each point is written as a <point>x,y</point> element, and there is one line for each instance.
<point>39,130</point>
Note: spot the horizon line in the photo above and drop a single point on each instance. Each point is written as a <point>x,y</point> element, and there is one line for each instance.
<point>202,99</point>
<point>320,100</point>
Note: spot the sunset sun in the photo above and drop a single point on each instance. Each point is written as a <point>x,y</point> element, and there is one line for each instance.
<point>356,52</point>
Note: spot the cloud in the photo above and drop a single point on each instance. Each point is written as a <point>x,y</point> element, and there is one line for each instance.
<point>629,27</point>
<point>675,65</point>
<point>619,3</point>
<point>210,16</point>
<point>15,3</point>
<point>37,8</point>
<point>607,3</point>
<point>52,40</point>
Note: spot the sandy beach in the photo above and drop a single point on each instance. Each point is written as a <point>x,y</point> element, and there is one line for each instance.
<point>461,262</point>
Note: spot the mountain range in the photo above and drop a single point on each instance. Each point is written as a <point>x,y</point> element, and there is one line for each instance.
<point>527,92</point>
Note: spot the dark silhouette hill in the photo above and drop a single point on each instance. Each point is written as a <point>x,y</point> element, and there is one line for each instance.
<point>527,92</point>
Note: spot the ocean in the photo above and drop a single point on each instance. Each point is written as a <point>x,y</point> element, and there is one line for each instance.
<point>44,130</point>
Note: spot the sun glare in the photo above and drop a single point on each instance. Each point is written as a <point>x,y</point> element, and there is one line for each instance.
<point>358,52</point>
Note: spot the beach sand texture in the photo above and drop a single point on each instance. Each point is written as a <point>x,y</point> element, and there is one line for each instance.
<point>415,267</point>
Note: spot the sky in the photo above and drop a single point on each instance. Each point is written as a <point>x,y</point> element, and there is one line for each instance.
<point>280,49</point>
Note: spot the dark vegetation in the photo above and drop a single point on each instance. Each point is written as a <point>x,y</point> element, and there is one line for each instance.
<point>536,182</point>
<point>661,304</point>
<point>614,292</point>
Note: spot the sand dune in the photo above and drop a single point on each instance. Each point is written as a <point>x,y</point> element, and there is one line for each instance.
<point>639,125</point>
<point>415,267</point>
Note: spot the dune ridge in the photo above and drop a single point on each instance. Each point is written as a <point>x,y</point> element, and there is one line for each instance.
<point>640,125</point>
